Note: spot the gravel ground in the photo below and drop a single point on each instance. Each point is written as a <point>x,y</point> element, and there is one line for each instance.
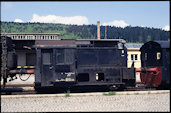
<point>139,102</point>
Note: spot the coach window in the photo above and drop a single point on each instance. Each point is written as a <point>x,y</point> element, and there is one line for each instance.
<point>158,55</point>
<point>145,56</point>
<point>60,56</point>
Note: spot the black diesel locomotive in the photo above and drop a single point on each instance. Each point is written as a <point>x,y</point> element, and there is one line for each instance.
<point>155,64</point>
<point>70,63</point>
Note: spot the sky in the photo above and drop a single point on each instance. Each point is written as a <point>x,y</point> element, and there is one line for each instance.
<point>152,14</point>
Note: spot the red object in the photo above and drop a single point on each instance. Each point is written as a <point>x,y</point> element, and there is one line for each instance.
<point>138,70</point>
<point>21,71</point>
<point>151,76</point>
<point>30,71</point>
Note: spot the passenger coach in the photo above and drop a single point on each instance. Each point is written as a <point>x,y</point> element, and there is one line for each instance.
<point>155,63</point>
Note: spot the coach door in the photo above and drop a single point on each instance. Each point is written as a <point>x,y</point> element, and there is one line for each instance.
<point>47,67</point>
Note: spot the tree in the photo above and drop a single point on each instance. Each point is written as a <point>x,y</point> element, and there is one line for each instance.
<point>148,38</point>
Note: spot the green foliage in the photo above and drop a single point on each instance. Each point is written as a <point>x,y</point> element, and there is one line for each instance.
<point>67,94</point>
<point>110,93</point>
<point>130,34</point>
<point>148,38</point>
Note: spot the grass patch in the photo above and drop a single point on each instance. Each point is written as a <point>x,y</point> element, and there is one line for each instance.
<point>136,93</point>
<point>110,93</point>
<point>67,94</point>
<point>149,90</point>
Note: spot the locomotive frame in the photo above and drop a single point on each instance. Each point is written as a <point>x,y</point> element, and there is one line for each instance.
<point>70,63</point>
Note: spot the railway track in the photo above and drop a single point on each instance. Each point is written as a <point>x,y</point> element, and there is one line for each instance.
<point>23,89</point>
<point>17,91</point>
<point>19,85</point>
<point>138,89</point>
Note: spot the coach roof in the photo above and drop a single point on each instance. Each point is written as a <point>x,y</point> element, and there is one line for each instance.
<point>163,44</point>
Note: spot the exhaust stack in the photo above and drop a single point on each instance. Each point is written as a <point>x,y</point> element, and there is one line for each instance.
<point>98,30</point>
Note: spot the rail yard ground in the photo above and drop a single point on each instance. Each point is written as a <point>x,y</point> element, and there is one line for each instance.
<point>152,100</point>
<point>121,101</point>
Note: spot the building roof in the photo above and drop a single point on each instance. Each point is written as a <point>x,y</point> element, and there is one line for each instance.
<point>30,33</point>
<point>104,40</point>
<point>32,36</point>
<point>133,46</point>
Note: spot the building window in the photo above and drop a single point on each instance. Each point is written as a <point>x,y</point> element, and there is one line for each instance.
<point>134,57</point>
